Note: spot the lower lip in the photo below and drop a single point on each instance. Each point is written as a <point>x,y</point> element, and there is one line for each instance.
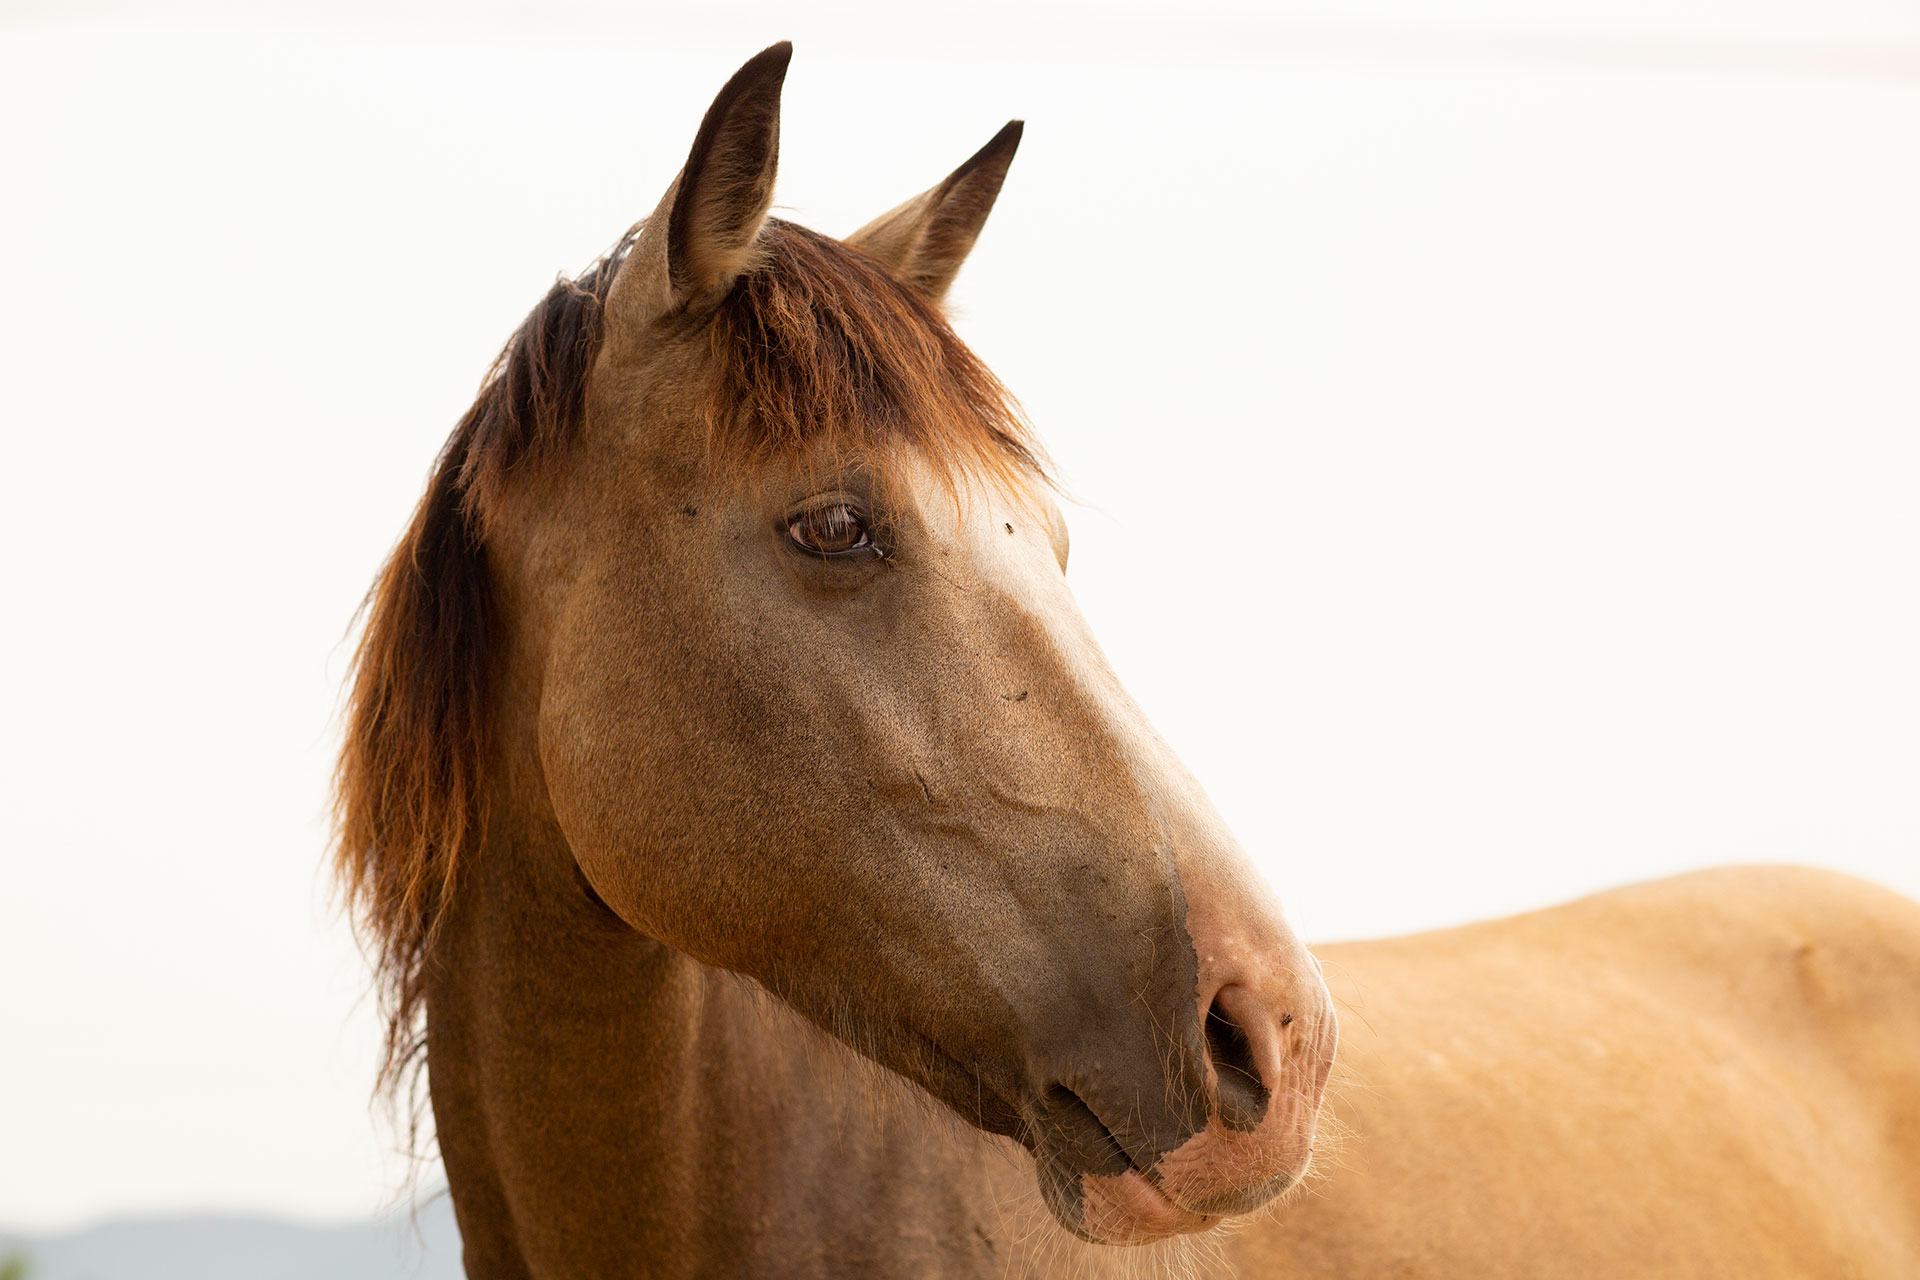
<point>1130,1210</point>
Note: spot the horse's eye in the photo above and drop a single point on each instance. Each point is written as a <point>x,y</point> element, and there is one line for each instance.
<point>831,530</point>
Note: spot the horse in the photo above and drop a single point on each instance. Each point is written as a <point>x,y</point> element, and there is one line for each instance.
<point>770,877</point>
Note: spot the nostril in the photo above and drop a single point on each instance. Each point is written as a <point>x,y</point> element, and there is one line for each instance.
<point>1242,1096</point>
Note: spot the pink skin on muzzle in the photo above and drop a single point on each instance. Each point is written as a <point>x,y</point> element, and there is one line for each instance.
<point>1273,991</point>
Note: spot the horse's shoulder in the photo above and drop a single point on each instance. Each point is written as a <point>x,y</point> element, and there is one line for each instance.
<point>1803,964</point>
<point>1785,885</point>
<point>1801,911</point>
<point>1742,938</point>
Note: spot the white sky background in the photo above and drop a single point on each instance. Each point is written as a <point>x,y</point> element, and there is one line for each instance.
<point>1497,423</point>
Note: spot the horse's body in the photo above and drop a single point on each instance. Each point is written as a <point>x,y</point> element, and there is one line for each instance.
<point>1716,1075</point>
<point>779,883</point>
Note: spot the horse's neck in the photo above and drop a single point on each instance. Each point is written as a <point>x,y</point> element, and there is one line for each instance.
<point>607,1107</point>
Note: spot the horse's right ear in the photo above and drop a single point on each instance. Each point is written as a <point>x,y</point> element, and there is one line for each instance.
<point>701,237</point>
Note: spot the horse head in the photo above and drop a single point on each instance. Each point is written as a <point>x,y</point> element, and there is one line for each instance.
<point>778,594</point>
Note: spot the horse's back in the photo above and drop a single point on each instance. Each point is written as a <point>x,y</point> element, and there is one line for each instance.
<point>1716,1074</point>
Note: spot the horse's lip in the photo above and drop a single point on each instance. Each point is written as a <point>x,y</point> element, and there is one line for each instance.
<point>1129,1209</point>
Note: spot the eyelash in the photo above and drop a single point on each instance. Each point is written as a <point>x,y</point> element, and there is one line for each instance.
<point>834,517</point>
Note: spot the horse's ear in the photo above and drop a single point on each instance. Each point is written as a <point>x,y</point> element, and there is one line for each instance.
<point>702,235</point>
<point>925,240</point>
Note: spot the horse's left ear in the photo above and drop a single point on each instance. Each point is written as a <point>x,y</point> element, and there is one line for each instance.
<point>925,240</point>
<point>702,235</point>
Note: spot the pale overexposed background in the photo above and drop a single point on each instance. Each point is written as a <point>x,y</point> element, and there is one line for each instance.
<point>1496,424</point>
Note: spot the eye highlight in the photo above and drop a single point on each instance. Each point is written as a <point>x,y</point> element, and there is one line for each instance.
<point>832,529</point>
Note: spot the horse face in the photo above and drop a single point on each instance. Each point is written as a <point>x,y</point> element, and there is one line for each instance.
<point>831,719</point>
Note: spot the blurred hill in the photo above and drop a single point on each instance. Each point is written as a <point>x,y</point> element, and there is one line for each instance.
<point>425,1247</point>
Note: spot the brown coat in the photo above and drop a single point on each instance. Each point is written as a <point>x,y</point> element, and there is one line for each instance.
<point>777,881</point>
